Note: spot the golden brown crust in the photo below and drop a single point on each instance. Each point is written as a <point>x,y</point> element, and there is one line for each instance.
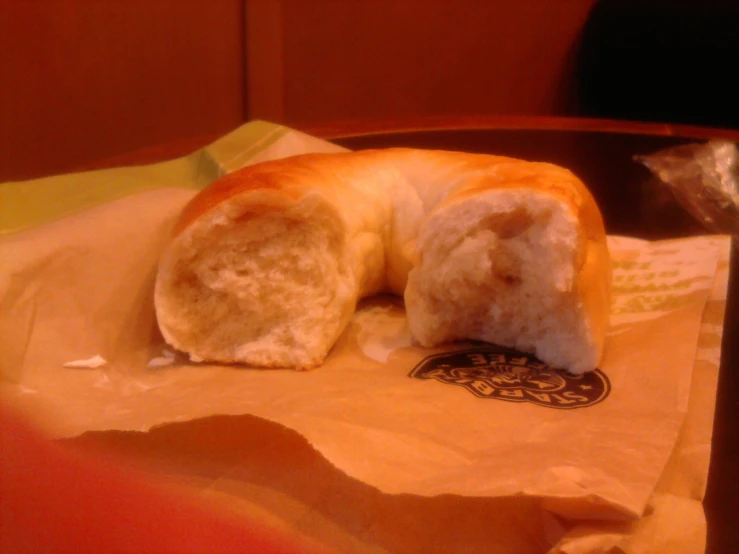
<point>593,286</point>
<point>269,176</point>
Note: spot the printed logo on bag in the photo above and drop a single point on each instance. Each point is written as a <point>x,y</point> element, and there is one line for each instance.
<point>506,374</point>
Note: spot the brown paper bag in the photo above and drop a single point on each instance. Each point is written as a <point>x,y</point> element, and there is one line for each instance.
<point>388,446</point>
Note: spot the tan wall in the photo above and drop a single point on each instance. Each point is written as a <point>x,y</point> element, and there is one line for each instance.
<point>81,80</point>
<point>84,80</point>
<point>347,59</point>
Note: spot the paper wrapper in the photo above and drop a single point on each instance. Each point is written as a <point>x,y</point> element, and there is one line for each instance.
<point>387,447</point>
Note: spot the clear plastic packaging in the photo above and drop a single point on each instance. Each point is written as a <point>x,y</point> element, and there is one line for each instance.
<point>703,179</point>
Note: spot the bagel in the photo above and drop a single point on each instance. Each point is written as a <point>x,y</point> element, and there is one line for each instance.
<point>266,265</point>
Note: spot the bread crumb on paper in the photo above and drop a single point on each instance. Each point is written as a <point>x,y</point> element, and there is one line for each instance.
<point>89,363</point>
<point>167,358</point>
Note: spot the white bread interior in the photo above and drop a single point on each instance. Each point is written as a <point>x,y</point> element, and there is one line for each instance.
<point>266,265</point>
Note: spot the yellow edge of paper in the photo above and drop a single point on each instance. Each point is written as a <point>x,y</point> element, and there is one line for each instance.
<point>28,204</point>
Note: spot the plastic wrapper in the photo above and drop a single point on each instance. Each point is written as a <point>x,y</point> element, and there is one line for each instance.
<point>702,178</point>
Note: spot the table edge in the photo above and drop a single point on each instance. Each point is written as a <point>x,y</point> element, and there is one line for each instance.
<point>419,124</point>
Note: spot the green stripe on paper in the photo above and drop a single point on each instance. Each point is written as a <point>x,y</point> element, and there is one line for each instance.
<point>28,204</point>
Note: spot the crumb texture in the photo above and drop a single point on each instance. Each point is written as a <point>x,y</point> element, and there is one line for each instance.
<point>501,268</point>
<point>266,291</point>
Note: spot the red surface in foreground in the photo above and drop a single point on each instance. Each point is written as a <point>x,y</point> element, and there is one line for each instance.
<point>53,499</point>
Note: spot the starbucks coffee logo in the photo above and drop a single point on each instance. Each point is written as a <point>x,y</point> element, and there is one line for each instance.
<point>506,374</point>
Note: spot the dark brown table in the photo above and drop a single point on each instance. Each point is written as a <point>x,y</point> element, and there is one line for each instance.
<point>602,153</point>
